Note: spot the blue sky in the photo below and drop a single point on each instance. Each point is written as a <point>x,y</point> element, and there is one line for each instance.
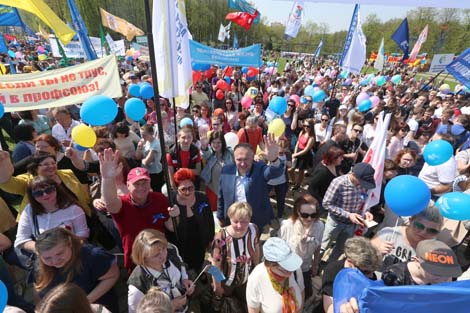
<point>337,16</point>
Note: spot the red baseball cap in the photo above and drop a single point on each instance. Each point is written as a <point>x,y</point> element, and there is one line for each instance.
<point>136,174</point>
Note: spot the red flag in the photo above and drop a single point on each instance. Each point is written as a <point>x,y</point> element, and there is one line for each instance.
<point>244,19</point>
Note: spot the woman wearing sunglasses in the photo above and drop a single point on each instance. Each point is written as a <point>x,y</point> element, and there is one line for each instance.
<point>42,165</point>
<point>303,231</point>
<point>398,244</point>
<point>195,224</point>
<point>302,158</point>
<point>64,258</point>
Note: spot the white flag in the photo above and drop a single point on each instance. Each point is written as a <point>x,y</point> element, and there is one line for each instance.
<point>227,30</point>
<point>295,20</point>
<point>375,156</point>
<point>422,39</point>
<point>354,53</point>
<point>379,62</point>
<point>172,55</point>
<point>221,36</point>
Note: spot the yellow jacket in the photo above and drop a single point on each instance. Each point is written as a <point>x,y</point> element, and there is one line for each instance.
<point>18,184</point>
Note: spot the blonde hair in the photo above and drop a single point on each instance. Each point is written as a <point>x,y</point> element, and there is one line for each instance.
<point>155,301</point>
<point>242,209</point>
<point>147,242</point>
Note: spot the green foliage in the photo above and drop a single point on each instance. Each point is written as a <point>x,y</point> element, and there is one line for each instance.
<point>449,29</point>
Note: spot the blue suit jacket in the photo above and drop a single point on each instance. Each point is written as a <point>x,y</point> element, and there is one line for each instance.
<point>256,191</point>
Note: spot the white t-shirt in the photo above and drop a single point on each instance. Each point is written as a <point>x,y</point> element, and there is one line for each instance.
<point>439,174</point>
<point>73,218</point>
<point>261,294</point>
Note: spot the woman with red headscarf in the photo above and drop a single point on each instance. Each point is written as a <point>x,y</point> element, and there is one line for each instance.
<point>195,224</point>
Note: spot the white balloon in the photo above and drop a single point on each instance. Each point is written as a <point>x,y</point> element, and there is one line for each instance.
<point>231,139</point>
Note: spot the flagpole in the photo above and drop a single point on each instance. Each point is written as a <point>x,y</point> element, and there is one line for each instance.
<point>153,68</point>
<point>425,85</point>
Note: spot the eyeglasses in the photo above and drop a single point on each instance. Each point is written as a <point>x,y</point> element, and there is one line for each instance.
<point>357,130</point>
<point>41,192</point>
<point>431,231</point>
<point>306,215</point>
<point>324,120</point>
<point>186,189</point>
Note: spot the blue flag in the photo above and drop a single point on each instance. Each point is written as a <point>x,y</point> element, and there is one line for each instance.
<point>320,45</point>
<point>3,45</point>
<point>9,16</point>
<point>402,37</point>
<point>216,273</point>
<point>354,52</point>
<point>460,68</point>
<point>81,31</point>
<point>235,41</point>
<point>244,6</point>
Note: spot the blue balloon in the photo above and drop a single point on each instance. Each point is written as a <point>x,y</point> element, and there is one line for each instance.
<point>186,121</point>
<point>11,54</point>
<point>146,91</point>
<point>98,110</point>
<point>200,66</point>
<point>438,152</point>
<point>244,70</point>
<point>407,195</point>
<point>3,296</point>
<point>303,100</point>
<point>227,79</point>
<point>130,58</point>
<point>364,82</point>
<point>365,105</point>
<point>135,109</point>
<point>2,110</point>
<point>309,91</point>
<point>318,96</point>
<point>134,90</point>
<point>454,206</point>
<point>278,105</point>
<point>79,148</point>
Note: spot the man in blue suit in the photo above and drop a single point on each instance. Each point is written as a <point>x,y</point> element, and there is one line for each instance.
<point>246,181</point>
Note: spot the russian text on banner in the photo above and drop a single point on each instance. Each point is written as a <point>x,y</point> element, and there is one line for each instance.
<point>56,88</point>
<point>249,56</point>
<point>460,68</point>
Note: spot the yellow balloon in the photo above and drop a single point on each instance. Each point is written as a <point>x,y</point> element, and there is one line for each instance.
<point>84,136</point>
<point>277,127</point>
<point>42,57</point>
<point>252,92</point>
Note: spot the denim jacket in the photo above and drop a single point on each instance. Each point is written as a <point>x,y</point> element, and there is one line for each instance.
<point>211,159</point>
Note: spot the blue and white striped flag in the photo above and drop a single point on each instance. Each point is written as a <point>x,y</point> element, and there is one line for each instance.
<point>317,52</point>
<point>82,31</point>
<point>354,52</point>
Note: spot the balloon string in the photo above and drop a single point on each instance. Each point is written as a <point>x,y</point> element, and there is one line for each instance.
<point>394,230</point>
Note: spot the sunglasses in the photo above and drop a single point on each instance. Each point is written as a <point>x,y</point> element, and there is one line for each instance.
<point>186,189</point>
<point>41,192</point>
<point>357,130</point>
<point>306,126</point>
<point>404,130</point>
<point>430,231</point>
<point>306,215</point>
<point>324,120</point>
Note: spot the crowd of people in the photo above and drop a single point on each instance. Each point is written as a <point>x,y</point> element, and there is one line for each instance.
<point>69,215</point>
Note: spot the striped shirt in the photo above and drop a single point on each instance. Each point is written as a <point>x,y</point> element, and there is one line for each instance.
<point>343,197</point>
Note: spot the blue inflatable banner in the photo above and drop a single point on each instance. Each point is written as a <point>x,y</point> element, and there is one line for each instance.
<point>460,68</point>
<point>374,297</point>
<point>249,56</point>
